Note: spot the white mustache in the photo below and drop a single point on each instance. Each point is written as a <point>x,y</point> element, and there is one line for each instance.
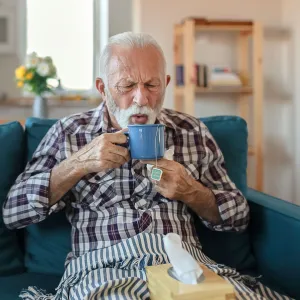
<point>123,115</point>
<point>135,110</point>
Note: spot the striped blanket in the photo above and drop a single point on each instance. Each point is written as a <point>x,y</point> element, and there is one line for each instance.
<point>118,272</point>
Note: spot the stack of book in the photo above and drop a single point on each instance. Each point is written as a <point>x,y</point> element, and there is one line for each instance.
<point>224,77</point>
<point>203,77</point>
<point>200,78</point>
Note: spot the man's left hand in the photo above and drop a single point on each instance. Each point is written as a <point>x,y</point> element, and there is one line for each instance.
<point>175,183</point>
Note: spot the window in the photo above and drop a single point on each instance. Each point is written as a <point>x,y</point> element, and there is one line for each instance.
<point>64,30</point>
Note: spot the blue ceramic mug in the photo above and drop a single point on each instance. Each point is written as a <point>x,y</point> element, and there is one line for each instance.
<point>146,141</point>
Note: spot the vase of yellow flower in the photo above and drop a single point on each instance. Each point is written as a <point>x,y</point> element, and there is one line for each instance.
<point>34,77</point>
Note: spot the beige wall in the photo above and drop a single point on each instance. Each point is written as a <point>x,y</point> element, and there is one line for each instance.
<point>291,48</point>
<point>157,18</point>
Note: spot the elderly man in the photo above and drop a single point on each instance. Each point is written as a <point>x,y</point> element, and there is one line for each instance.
<point>118,215</point>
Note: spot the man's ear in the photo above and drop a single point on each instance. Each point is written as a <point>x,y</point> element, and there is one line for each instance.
<point>168,79</point>
<point>100,87</point>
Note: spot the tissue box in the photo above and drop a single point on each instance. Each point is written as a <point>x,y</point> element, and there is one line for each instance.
<point>163,287</point>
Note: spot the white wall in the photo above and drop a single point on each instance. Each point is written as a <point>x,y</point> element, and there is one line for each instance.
<point>158,17</point>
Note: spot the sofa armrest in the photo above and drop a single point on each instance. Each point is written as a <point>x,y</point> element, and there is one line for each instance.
<point>275,238</point>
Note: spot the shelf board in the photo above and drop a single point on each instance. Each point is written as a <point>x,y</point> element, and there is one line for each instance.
<point>217,28</point>
<point>221,22</point>
<point>202,24</point>
<point>225,89</point>
<point>179,90</point>
<point>231,28</point>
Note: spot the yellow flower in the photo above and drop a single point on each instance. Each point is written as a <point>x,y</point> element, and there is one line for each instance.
<point>20,72</point>
<point>20,84</point>
<point>29,76</point>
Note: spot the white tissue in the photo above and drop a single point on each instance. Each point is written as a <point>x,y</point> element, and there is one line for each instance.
<point>186,268</point>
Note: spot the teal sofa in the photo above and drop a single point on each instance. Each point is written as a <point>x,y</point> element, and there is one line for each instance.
<point>269,247</point>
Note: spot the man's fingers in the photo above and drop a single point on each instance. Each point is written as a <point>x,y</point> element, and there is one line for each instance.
<point>119,150</point>
<point>115,158</point>
<point>116,138</point>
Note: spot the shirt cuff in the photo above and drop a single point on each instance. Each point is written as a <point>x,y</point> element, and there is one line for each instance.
<point>227,209</point>
<point>37,192</point>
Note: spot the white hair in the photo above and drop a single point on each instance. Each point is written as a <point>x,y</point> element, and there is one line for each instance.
<point>130,40</point>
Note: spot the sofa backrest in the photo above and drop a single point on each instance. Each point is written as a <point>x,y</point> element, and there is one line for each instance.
<point>11,164</point>
<point>231,135</point>
<point>47,243</point>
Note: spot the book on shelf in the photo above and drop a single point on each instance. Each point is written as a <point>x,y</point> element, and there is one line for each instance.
<point>204,77</point>
<point>179,75</point>
<point>200,76</point>
<point>224,77</point>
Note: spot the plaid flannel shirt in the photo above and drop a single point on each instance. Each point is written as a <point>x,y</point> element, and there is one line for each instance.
<point>106,207</point>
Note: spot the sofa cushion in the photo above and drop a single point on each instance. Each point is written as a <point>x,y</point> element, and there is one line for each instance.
<point>229,248</point>
<point>11,165</point>
<point>11,286</point>
<point>46,243</point>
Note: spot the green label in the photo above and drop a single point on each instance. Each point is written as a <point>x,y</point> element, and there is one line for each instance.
<point>156,174</point>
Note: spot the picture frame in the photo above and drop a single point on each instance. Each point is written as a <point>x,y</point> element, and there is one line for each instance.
<point>6,31</point>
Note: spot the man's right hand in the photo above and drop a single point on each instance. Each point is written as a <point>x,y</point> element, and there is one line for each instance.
<point>102,153</point>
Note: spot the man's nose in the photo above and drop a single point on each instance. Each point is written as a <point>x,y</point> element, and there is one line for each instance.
<point>141,96</point>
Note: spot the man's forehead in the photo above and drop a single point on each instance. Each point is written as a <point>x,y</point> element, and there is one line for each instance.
<point>126,60</point>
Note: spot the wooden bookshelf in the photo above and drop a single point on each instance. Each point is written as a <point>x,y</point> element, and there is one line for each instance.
<point>249,96</point>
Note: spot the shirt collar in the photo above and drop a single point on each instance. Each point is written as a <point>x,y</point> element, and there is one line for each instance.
<point>161,120</point>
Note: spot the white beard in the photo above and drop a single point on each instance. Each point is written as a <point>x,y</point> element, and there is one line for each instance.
<point>123,115</point>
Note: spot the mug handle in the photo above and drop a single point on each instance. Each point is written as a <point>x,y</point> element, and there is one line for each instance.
<point>127,143</point>
<point>127,134</point>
